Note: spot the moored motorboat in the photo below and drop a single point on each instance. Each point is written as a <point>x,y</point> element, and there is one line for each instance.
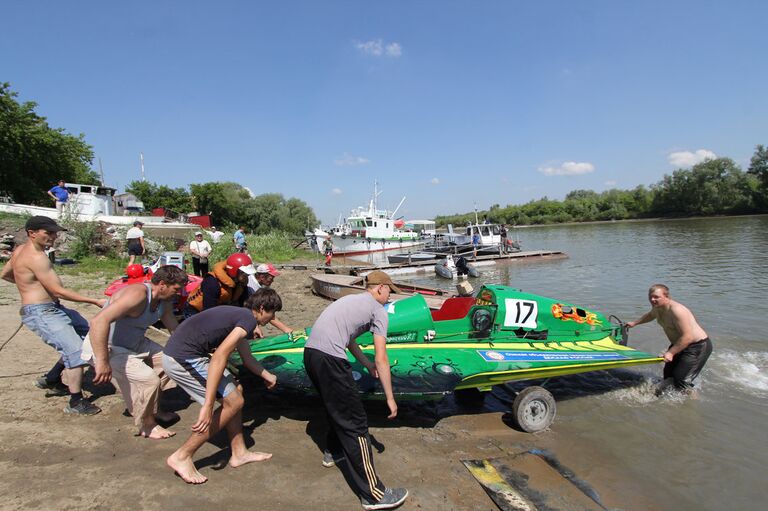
<point>451,269</point>
<point>499,336</point>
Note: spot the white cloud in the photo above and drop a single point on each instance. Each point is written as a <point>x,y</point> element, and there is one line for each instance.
<point>569,168</point>
<point>378,48</point>
<point>393,50</point>
<point>336,191</point>
<point>688,158</point>
<point>610,182</point>
<point>348,160</point>
<point>435,181</point>
<point>249,192</point>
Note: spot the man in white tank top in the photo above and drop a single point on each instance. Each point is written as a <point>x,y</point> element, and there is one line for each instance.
<point>120,350</point>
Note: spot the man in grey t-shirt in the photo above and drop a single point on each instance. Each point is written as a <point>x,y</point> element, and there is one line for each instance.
<point>325,359</point>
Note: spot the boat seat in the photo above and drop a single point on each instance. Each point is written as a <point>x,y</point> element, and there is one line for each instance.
<point>453,308</point>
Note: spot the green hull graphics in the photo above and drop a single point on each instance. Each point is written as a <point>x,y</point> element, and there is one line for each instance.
<point>502,335</point>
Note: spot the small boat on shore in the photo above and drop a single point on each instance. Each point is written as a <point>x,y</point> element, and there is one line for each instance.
<point>335,286</point>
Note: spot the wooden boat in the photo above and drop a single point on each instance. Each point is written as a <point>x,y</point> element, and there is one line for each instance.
<point>335,286</point>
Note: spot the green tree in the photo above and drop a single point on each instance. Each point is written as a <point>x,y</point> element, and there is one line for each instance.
<point>758,167</point>
<point>230,203</point>
<point>161,196</point>
<point>34,155</point>
<point>713,187</point>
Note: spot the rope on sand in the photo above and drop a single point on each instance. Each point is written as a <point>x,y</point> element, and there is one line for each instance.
<point>3,346</point>
<point>12,336</point>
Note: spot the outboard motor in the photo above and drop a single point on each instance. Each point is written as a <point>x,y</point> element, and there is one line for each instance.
<point>461,266</point>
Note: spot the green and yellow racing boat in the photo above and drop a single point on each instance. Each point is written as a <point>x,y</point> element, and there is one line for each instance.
<point>498,336</point>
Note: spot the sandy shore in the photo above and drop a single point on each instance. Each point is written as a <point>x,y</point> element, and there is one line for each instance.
<point>53,461</point>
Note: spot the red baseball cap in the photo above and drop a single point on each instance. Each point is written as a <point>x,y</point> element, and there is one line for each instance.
<point>267,268</point>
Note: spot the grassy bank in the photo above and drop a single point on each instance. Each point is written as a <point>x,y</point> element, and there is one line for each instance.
<point>95,250</point>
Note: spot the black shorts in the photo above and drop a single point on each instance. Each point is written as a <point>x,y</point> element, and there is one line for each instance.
<point>134,248</point>
<point>687,364</point>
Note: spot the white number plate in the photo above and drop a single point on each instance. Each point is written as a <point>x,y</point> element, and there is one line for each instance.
<point>521,313</point>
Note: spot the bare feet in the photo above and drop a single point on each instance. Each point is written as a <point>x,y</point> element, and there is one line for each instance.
<point>166,416</point>
<point>248,457</point>
<point>156,432</point>
<point>185,469</point>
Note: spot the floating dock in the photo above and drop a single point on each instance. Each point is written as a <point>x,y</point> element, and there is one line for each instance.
<point>428,265</point>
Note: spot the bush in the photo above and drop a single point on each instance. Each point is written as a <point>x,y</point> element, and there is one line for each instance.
<point>274,248</point>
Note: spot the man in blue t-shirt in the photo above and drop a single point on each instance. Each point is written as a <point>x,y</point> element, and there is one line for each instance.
<point>239,239</point>
<point>60,194</point>
<point>187,360</point>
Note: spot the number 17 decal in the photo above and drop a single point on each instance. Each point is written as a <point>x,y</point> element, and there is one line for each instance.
<point>521,313</point>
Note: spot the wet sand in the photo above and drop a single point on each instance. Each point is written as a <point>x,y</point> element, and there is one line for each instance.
<point>50,460</point>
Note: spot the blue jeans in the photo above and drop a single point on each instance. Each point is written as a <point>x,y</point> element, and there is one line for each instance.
<point>59,327</point>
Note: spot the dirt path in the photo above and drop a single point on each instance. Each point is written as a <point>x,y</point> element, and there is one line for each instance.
<point>53,461</point>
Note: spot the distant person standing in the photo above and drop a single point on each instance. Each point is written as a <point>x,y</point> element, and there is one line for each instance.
<point>328,250</point>
<point>200,250</point>
<point>60,194</point>
<point>690,346</point>
<point>135,239</point>
<point>503,237</point>
<point>475,244</point>
<point>239,239</point>
<point>216,235</point>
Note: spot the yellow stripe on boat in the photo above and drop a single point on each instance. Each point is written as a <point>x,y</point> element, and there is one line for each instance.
<point>496,377</point>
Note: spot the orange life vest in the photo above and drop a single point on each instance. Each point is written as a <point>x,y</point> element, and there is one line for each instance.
<point>230,292</point>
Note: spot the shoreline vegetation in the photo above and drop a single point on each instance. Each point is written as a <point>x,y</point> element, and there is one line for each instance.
<point>714,187</point>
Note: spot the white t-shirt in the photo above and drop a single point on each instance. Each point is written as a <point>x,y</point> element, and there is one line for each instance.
<point>134,233</point>
<point>216,236</point>
<point>202,247</point>
<point>253,284</point>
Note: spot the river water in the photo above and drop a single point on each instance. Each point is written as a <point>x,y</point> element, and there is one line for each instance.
<point>709,453</point>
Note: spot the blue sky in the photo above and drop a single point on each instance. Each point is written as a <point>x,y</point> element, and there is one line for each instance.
<point>449,103</point>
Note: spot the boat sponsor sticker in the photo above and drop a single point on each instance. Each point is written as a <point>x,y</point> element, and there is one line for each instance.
<point>549,356</point>
<point>521,313</point>
<point>406,337</point>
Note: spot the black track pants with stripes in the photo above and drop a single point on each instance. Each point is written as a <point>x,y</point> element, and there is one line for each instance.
<point>332,377</point>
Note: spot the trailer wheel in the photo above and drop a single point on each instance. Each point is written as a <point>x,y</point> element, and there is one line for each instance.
<point>534,409</point>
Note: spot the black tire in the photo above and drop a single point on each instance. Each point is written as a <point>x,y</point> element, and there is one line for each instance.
<point>534,409</point>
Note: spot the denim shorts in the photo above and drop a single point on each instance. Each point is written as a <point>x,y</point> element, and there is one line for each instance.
<point>192,376</point>
<point>60,327</point>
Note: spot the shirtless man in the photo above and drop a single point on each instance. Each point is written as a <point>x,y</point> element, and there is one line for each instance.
<point>118,348</point>
<point>40,289</point>
<point>690,346</point>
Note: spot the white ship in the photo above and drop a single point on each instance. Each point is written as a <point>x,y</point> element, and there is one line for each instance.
<point>367,230</point>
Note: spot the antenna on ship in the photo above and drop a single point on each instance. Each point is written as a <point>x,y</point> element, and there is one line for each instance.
<point>141,155</point>
<point>398,207</point>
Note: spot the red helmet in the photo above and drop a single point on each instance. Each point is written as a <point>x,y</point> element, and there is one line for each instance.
<point>235,261</point>
<point>134,271</point>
